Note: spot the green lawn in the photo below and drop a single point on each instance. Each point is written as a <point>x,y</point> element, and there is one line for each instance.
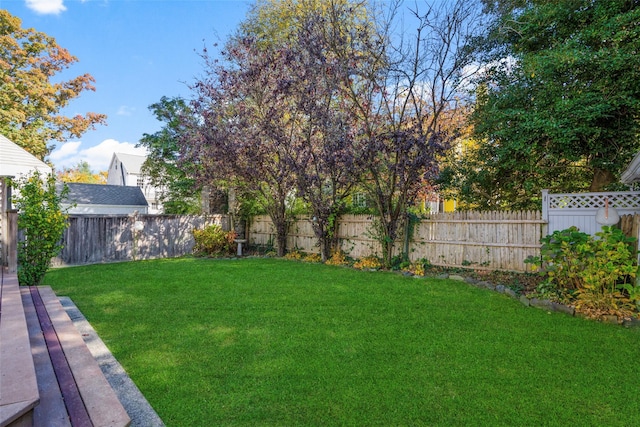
<point>276,342</point>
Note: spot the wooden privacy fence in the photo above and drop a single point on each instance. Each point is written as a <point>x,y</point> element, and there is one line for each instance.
<point>106,238</point>
<point>483,240</point>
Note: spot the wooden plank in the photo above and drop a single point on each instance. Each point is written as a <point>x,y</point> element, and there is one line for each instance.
<point>95,239</point>
<point>99,399</point>
<point>73,401</point>
<point>484,221</point>
<point>451,238</point>
<point>18,386</point>
<point>51,411</point>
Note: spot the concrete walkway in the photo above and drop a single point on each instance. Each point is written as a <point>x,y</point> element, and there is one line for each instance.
<point>139,410</point>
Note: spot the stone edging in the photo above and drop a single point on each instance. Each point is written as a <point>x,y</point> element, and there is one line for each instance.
<point>543,304</point>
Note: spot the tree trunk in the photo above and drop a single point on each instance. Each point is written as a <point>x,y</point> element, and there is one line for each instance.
<point>406,237</point>
<point>281,239</point>
<point>325,241</point>
<point>601,178</point>
<point>320,231</point>
<point>280,221</point>
<point>388,237</point>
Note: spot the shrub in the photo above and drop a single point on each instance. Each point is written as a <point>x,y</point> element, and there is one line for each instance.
<point>295,254</point>
<point>419,268</point>
<point>563,257</point>
<point>213,241</point>
<point>370,262</point>
<point>609,265</point>
<point>312,258</point>
<point>594,273</point>
<point>41,218</point>
<point>338,258</point>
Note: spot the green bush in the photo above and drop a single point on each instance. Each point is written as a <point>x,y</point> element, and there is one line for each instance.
<point>596,274</point>
<point>562,259</point>
<point>43,222</point>
<point>213,241</point>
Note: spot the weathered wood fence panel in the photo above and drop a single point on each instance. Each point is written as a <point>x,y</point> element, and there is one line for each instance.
<point>630,226</point>
<point>485,240</point>
<point>106,238</point>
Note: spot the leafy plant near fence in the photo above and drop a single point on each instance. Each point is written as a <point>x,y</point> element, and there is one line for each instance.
<point>419,267</point>
<point>299,255</point>
<point>370,262</point>
<point>213,241</point>
<point>42,221</point>
<point>597,274</point>
<point>338,257</point>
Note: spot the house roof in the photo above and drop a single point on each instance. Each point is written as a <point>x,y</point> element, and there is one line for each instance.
<point>15,160</point>
<point>132,162</point>
<point>100,194</point>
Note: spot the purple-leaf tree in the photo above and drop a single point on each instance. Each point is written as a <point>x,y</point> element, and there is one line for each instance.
<point>398,101</point>
<point>280,111</point>
<point>325,157</point>
<point>244,133</point>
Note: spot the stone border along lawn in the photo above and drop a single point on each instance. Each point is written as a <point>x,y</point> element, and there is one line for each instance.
<point>543,304</point>
<point>470,276</point>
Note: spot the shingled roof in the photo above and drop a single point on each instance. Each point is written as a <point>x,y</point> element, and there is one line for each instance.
<point>100,194</point>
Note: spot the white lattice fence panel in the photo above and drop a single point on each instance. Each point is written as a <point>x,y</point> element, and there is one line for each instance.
<point>579,209</point>
<point>618,200</point>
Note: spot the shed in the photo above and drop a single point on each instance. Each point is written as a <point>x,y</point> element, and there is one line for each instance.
<point>99,199</point>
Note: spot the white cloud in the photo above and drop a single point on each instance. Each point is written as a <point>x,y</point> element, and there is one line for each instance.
<point>45,7</point>
<point>125,111</point>
<point>67,149</point>
<point>98,156</point>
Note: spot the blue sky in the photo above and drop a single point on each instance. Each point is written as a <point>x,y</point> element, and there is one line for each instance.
<point>137,50</point>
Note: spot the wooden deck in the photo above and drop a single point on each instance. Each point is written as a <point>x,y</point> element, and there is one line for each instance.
<point>59,382</point>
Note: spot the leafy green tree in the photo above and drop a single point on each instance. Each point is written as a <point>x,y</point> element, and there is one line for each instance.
<point>41,218</point>
<point>559,103</point>
<point>31,98</point>
<point>180,194</point>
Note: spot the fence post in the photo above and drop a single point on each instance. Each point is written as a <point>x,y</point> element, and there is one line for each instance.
<point>636,233</point>
<point>544,228</point>
<point>12,240</point>
<point>545,205</point>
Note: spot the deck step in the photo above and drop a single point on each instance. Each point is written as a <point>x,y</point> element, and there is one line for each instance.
<point>51,408</point>
<point>99,399</point>
<point>18,386</point>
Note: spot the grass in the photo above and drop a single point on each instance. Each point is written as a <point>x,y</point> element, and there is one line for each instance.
<point>276,342</point>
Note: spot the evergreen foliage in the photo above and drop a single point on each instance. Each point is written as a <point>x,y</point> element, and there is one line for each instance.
<point>558,104</point>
